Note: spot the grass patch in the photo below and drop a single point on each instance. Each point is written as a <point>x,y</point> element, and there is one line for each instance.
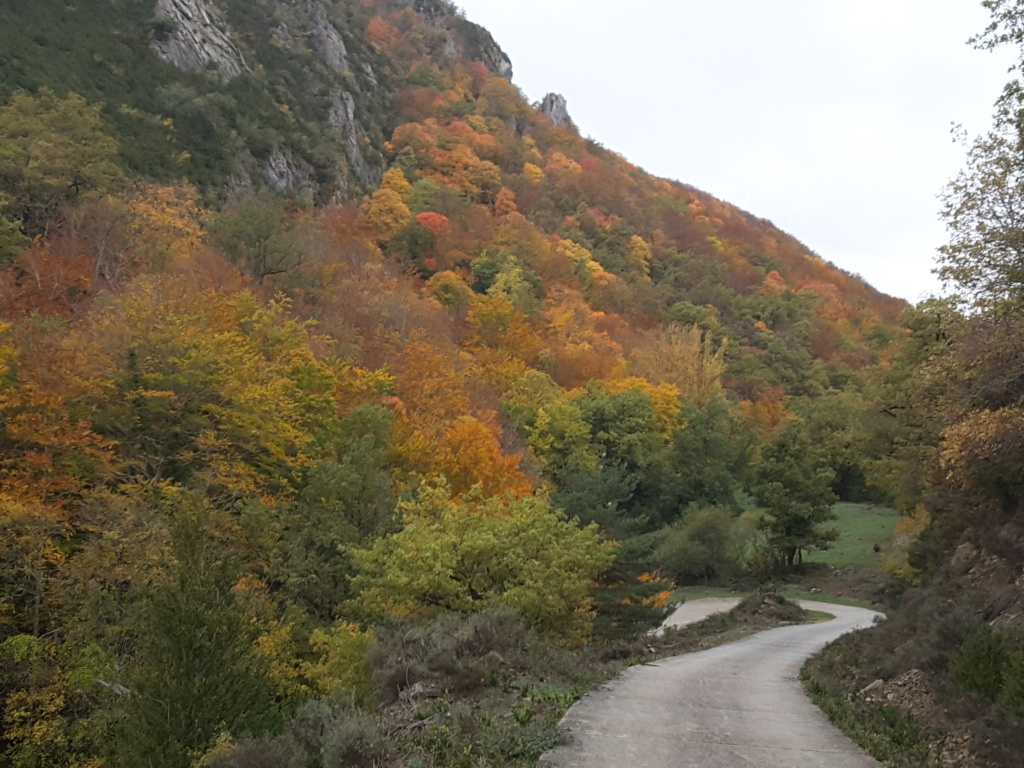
<point>865,532</point>
<point>800,592</point>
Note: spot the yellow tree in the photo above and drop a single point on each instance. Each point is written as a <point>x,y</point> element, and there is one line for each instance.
<point>210,390</point>
<point>387,213</point>
<point>684,357</point>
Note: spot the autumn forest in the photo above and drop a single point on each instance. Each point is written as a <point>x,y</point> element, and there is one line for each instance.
<point>306,409</point>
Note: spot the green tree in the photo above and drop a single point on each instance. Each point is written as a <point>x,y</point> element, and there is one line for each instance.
<point>12,238</point>
<point>631,448</point>
<point>467,555</point>
<point>795,490</point>
<point>192,672</point>
<point>346,502</point>
<point>260,236</point>
<point>709,453</point>
<point>52,151</point>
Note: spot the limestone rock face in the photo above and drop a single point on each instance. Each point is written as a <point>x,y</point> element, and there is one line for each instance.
<point>200,39</point>
<point>342,118</point>
<point>554,107</point>
<point>286,173</point>
<point>496,60</point>
<point>479,44</point>
<point>326,38</point>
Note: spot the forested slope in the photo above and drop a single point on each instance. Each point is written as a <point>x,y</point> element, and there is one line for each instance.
<point>260,412</point>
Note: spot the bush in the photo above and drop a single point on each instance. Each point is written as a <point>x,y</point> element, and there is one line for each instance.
<point>980,663</point>
<point>454,652</point>
<point>324,732</point>
<point>1013,680</point>
<point>706,545</point>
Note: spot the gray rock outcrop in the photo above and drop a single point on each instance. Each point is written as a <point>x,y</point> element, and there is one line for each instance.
<point>286,173</point>
<point>324,37</point>
<point>554,106</point>
<point>342,118</point>
<point>198,39</point>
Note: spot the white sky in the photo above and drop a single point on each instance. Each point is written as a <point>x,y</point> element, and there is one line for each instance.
<point>831,118</point>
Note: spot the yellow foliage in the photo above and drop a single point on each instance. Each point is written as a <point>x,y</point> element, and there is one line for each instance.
<point>342,661</point>
<point>394,179</point>
<point>908,530</point>
<point>983,446</point>
<point>685,357</point>
<point>277,647</point>
<point>533,173</point>
<point>639,255</point>
<point>165,219</point>
<point>664,398</point>
<point>387,213</point>
<point>471,553</point>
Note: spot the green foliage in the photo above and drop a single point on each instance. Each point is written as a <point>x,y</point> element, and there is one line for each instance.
<point>795,492</point>
<point>192,671</point>
<point>468,555</point>
<point>706,544</point>
<point>346,502</point>
<point>980,663</point>
<point>259,235</point>
<point>52,151</point>
<point>710,451</point>
<point>630,598</point>
<point>12,237</point>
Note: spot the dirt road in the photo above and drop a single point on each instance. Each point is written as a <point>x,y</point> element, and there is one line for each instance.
<point>736,705</point>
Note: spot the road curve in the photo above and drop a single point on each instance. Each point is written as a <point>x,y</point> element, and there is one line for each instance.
<point>736,705</point>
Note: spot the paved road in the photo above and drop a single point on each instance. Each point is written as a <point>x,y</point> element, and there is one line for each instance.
<point>693,611</point>
<point>736,705</point>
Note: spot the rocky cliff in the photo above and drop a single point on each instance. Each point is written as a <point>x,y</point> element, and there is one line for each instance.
<point>192,37</point>
<point>555,107</point>
<point>347,81</point>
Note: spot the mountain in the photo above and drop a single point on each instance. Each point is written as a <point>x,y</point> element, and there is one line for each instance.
<point>316,99</point>
<point>317,338</point>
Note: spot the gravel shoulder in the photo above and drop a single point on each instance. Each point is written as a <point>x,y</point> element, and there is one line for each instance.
<point>735,705</point>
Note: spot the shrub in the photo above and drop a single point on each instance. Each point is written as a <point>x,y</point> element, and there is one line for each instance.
<point>1013,679</point>
<point>980,663</point>
<point>454,652</point>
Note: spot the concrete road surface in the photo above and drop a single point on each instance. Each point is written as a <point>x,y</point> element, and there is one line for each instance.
<point>736,705</point>
<point>693,611</point>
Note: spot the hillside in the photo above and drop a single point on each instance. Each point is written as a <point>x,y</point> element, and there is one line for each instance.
<point>316,99</point>
<point>316,339</point>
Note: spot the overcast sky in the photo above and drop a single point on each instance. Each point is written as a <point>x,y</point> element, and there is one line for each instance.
<point>831,118</point>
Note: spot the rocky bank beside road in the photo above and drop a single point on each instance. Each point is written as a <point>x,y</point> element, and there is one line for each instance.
<point>735,705</point>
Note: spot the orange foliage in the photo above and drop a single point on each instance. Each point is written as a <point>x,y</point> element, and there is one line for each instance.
<point>52,278</point>
<point>434,223</point>
<point>429,387</point>
<point>767,412</point>
<point>469,456</point>
<point>379,32</point>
